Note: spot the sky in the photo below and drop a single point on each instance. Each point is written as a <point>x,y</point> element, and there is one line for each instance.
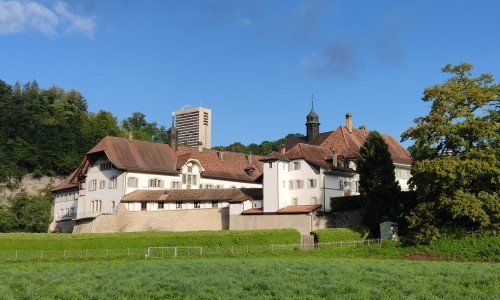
<point>257,64</point>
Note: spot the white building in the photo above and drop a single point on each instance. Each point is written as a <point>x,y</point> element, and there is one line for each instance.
<point>116,167</point>
<point>128,185</point>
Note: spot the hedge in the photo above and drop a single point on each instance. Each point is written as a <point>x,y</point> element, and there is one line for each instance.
<point>332,235</point>
<point>59,241</point>
<point>348,203</point>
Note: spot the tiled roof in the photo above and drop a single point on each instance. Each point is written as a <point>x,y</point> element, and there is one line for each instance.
<point>223,164</point>
<point>312,154</point>
<point>292,209</point>
<point>69,182</point>
<point>298,209</point>
<point>139,156</point>
<point>230,195</point>
<point>275,156</point>
<point>348,144</point>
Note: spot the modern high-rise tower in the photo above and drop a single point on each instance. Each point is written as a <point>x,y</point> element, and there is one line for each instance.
<point>194,125</point>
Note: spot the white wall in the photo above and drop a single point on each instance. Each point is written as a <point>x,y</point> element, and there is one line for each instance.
<point>403,174</point>
<point>332,188</point>
<point>279,193</point>
<point>106,193</point>
<point>65,204</point>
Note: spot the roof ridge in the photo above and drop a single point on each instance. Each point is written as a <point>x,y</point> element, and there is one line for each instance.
<point>345,140</point>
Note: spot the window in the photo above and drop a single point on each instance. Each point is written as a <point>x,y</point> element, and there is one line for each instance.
<point>72,211</point>
<point>144,205</point>
<point>299,184</point>
<point>295,165</point>
<point>345,185</point>
<point>197,204</point>
<point>112,183</point>
<point>184,178</point>
<point>190,169</point>
<point>295,201</point>
<point>311,183</point>
<point>270,165</point>
<point>220,186</point>
<point>113,206</point>
<point>161,205</point>
<point>96,206</point>
<point>215,204</point>
<point>176,184</point>
<point>106,166</point>
<point>284,184</point>
<point>209,186</point>
<point>92,185</point>
<point>102,184</point>
<point>290,184</point>
<point>195,179</point>
<point>178,205</point>
<point>75,196</point>
<point>154,182</point>
<point>132,182</point>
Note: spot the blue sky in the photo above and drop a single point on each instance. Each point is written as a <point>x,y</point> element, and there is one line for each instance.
<point>254,63</point>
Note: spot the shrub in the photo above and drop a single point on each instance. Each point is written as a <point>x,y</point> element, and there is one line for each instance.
<point>348,203</point>
<point>331,235</point>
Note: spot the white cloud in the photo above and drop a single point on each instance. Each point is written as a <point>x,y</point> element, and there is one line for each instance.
<point>20,16</point>
<point>76,23</point>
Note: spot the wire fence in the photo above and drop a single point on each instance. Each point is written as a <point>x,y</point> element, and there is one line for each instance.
<point>171,252</point>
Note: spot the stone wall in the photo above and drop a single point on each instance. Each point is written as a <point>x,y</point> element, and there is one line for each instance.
<point>183,220</point>
<point>302,222</point>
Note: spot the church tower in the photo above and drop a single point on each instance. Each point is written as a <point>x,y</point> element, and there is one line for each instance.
<point>172,136</point>
<point>312,124</point>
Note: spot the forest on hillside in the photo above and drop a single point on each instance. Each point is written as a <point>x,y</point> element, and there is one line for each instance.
<point>48,131</point>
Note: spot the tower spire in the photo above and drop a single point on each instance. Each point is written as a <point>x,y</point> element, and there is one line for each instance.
<point>312,124</point>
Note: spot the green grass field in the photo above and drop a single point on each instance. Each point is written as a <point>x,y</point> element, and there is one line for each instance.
<point>245,265</point>
<point>271,277</point>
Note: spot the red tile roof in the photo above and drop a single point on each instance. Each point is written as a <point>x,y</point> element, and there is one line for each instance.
<point>223,164</point>
<point>298,209</point>
<point>348,144</point>
<point>293,209</point>
<point>230,195</point>
<point>138,156</point>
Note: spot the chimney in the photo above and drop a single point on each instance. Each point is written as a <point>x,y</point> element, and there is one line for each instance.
<point>130,137</point>
<point>221,155</point>
<point>334,158</point>
<point>200,146</point>
<point>249,158</point>
<point>348,122</point>
<point>282,149</point>
<point>362,127</point>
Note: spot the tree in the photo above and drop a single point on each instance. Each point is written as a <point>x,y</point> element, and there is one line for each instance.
<point>32,213</point>
<point>456,167</point>
<point>377,182</point>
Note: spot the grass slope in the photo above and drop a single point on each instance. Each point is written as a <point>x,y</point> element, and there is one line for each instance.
<point>50,241</point>
<point>251,278</point>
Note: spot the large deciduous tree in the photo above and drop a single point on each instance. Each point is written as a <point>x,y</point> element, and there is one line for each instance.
<point>456,167</point>
<point>377,182</point>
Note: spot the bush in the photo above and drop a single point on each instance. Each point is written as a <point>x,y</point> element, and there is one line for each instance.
<point>348,203</point>
<point>332,235</point>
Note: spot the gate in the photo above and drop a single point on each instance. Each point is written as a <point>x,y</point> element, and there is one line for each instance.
<point>307,241</point>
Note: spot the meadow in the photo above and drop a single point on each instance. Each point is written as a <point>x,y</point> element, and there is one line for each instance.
<point>267,277</point>
<point>248,265</point>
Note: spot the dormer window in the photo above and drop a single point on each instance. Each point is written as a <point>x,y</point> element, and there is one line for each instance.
<point>249,171</point>
<point>106,165</point>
